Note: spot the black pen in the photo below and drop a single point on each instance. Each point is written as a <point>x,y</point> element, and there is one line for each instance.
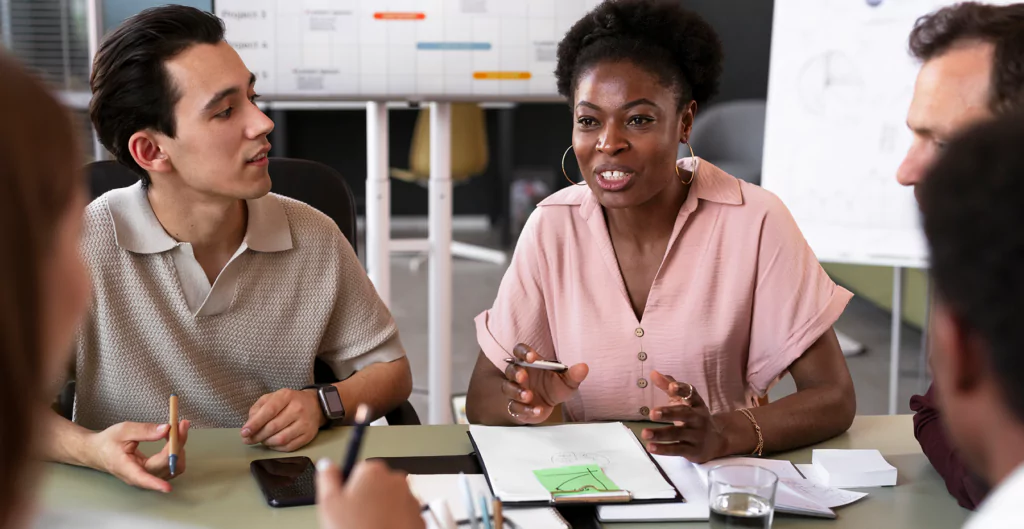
<point>356,441</point>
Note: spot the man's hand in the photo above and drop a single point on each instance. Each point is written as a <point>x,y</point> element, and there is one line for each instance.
<point>116,452</point>
<point>374,497</point>
<point>284,420</point>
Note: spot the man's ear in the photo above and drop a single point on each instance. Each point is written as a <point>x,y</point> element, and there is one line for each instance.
<point>686,122</point>
<point>959,355</point>
<point>144,146</point>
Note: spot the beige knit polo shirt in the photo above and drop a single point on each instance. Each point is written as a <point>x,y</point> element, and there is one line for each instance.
<point>293,291</point>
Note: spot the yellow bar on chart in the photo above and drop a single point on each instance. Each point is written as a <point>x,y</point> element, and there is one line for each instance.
<point>501,76</point>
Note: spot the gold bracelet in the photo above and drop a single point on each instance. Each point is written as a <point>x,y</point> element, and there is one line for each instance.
<point>760,440</point>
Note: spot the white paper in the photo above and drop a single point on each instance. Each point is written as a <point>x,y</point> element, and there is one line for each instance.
<point>510,456</point>
<point>687,480</point>
<point>812,473</point>
<point>828,496</point>
<point>786,499</point>
<point>780,467</point>
<point>692,482</point>
<point>445,487</point>
<point>854,468</point>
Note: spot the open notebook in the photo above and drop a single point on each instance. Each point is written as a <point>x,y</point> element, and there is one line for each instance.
<point>511,455</point>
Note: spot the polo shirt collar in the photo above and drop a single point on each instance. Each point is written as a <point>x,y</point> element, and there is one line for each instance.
<point>137,230</point>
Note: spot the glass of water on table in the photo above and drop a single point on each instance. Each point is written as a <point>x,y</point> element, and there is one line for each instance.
<point>741,496</point>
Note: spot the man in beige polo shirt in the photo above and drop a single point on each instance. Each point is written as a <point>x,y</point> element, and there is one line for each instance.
<point>205,284</point>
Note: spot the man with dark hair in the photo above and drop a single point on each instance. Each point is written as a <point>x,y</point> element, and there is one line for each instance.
<point>972,70</point>
<point>205,284</point>
<point>977,250</point>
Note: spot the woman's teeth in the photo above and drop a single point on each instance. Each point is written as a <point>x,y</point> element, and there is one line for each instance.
<point>613,175</point>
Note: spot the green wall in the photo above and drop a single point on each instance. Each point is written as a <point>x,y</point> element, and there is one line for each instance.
<point>874,283</point>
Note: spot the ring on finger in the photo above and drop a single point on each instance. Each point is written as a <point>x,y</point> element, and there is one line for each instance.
<point>510,410</point>
<point>689,394</point>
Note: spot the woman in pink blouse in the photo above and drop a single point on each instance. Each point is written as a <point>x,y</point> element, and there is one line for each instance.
<point>676,293</point>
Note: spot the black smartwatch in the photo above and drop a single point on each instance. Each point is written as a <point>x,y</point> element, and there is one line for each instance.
<point>330,403</point>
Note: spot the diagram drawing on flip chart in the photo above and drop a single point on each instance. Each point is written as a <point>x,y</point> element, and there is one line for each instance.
<point>840,84</point>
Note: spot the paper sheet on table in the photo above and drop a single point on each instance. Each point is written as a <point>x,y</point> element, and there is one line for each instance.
<point>429,488</point>
<point>510,455</point>
<point>786,499</point>
<point>686,478</point>
<point>782,468</point>
<point>828,496</point>
<point>692,482</point>
<point>854,468</point>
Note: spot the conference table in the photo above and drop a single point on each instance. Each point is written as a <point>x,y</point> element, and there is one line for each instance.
<point>217,489</point>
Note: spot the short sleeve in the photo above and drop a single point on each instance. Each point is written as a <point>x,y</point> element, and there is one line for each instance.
<point>519,313</point>
<point>361,330</point>
<point>795,301</point>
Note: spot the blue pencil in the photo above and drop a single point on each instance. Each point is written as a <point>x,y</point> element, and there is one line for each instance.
<point>484,514</point>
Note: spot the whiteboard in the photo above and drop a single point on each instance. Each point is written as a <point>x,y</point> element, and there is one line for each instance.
<point>840,83</point>
<point>417,50</point>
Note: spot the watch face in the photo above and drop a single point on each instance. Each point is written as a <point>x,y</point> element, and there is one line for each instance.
<point>331,400</point>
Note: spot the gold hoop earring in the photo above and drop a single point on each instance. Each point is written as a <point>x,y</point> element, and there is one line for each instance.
<point>692,174</point>
<point>583,183</point>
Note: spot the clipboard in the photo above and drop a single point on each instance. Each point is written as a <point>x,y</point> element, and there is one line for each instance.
<point>595,499</point>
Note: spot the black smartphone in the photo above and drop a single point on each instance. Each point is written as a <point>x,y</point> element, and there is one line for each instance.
<point>286,481</point>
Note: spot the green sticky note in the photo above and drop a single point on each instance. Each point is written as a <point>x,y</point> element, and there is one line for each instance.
<point>577,479</point>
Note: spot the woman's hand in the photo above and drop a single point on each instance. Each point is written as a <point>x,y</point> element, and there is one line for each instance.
<point>534,393</point>
<point>693,434</point>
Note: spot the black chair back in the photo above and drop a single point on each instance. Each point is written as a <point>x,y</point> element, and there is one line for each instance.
<point>311,182</point>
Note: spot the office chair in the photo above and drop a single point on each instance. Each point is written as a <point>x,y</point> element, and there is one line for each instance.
<point>469,158</point>
<point>311,182</point>
<point>731,136</point>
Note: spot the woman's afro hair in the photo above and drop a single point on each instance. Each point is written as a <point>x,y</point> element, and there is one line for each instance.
<point>672,42</point>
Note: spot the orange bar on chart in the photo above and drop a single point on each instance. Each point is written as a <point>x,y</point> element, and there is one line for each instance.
<point>397,15</point>
<point>501,76</point>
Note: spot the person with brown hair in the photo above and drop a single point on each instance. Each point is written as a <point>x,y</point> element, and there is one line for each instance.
<point>45,287</point>
<point>44,296</point>
<point>206,284</point>
<point>972,70</point>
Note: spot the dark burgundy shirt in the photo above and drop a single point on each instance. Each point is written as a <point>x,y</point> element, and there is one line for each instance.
<point>968,490</point>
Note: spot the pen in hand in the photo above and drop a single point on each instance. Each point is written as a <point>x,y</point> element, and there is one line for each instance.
<point>539,364</point>
<point>172,439</point>
<point>356,442</point>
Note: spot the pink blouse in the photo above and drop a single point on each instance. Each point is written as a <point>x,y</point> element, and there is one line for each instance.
<point>738,297</point>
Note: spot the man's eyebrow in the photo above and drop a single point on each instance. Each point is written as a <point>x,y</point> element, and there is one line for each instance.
<point>227,92</point>
<point>220,96</point>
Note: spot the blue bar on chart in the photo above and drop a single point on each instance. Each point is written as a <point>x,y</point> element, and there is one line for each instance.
<point>454,46</point>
